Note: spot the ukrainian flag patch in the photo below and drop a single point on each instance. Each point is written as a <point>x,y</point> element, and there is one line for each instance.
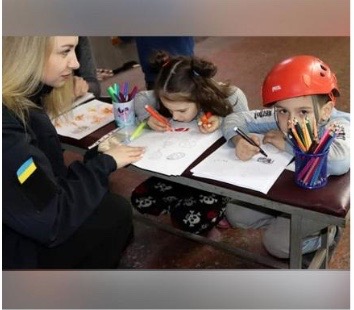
<point>26,169</point>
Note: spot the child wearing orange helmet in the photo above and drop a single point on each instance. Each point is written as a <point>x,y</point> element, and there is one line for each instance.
<point>299,87</point>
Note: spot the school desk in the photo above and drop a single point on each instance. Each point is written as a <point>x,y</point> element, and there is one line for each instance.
<point>322,208</point>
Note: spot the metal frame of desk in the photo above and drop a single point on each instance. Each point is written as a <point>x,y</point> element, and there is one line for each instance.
<point>319,221</point>
<point>284,196</point>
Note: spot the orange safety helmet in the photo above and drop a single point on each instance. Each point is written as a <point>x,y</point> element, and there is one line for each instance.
<point>299,76</point>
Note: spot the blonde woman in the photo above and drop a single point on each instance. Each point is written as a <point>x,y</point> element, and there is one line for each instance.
<point>54,216</point>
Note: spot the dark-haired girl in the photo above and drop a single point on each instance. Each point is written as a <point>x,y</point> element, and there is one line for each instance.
<point>185,90</point>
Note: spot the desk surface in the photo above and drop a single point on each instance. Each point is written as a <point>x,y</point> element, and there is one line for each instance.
<point>333,199</point>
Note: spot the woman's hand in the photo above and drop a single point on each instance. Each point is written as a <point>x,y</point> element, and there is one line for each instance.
<point>245,150</point>
<point>124,154</point>
<point>209,125</point>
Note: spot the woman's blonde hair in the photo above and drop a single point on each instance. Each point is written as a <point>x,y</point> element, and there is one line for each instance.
<point>23,60</point>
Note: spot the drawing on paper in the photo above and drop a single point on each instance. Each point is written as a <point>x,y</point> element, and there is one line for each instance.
<point>181,129</point>
<point>176,156</point>
<point>265,160</point>
<point>171,152</point>
<point>84,119</point>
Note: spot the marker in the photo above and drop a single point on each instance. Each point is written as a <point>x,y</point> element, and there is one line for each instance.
<point>133,93</point>
<point>125,90</point>
<point>157,116</point>
<point>248,139</point>
<point>137,131</point>
<point>204,120</point>
<point>112,94</point>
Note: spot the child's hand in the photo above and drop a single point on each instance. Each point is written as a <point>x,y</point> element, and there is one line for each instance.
<point>124,154</point>
<point>276,138</point>
<point>212,123</point>
<point>81,87</point>
<point>156,125</point>
<point>245,150</point>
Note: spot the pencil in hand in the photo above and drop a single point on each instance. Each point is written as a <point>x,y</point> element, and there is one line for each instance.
<point>249,140</point>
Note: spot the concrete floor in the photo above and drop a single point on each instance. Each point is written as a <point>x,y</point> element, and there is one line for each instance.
<point>244,61</point>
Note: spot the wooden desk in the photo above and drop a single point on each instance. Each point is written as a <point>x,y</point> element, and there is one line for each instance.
<point>309,210</point>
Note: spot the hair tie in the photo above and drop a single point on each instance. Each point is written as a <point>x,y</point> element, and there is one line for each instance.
<point>195,73</point>
<point>166,62</point>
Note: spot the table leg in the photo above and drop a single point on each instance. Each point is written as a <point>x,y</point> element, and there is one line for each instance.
<point>295,241</point>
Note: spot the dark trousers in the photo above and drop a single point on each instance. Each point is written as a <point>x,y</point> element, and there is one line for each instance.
<point>98,243</point>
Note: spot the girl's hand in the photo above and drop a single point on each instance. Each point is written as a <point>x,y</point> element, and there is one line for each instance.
<point>124,154</point>
<point>154,124</point>
<point>245,150</point>
<point>276,138</point>
<point>210,124</point>
<point>81,87</point>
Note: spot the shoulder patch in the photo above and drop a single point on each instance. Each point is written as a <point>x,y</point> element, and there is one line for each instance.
<point>26,170</point>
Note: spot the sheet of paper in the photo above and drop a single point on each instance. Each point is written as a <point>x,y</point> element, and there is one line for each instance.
<point>259,173</point>
<point>172,152</point>
<point>84,119</point>
<point>291,167</point>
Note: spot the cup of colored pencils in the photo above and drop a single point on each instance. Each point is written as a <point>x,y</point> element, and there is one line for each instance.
<point>311,152</point>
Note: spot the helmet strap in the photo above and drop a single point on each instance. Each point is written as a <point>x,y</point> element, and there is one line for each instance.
<point>285,134</point>
<point>316,107</point>
<point>316,111</point>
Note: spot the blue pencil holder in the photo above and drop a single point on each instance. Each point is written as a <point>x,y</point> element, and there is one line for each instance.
<point>310,169</point>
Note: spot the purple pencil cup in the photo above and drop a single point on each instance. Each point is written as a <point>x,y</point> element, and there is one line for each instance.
<point>311,169</point>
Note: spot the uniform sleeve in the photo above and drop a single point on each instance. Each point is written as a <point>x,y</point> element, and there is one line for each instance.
<point>39,204</point>
<point>140,100</point>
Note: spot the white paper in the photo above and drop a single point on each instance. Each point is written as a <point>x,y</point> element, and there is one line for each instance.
<point>172,152</point>
<point>291,167</point>
<point>259,173</point>
<point>84,119</point>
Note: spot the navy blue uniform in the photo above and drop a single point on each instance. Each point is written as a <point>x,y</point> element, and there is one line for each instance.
<point>50,205</point>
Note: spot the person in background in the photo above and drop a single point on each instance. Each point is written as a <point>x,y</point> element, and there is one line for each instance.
<point>86,76</point>
<point>54,216</point>
<point>185,89</point>
<point>299,87</point>
<point>148,46</point>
